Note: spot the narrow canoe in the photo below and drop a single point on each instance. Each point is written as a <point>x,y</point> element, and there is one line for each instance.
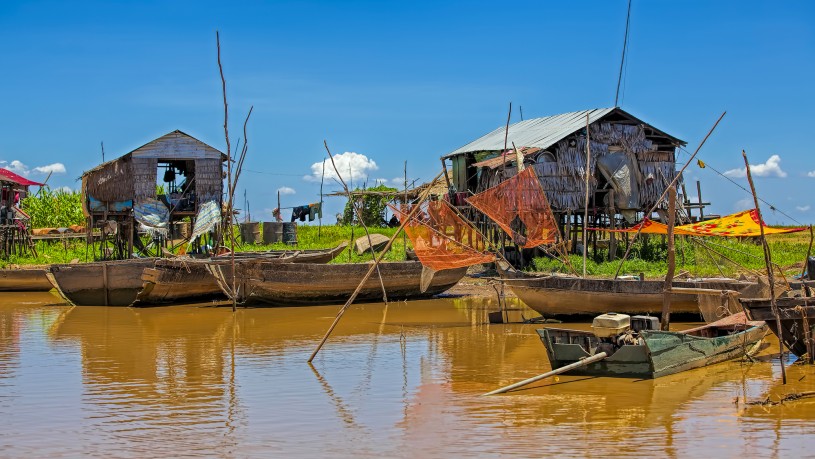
<point>797,315</point>
<point>296,284</point>
<point>297,256</point>
<point>655,353</point>
<point>103,283</point>
<point>24,280</point>
<point>567,295</point>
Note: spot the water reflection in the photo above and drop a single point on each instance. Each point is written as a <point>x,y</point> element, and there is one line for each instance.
<point>397,380</point>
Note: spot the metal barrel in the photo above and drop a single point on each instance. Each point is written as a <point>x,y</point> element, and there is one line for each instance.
<point>290,233</point>
<point>250,232</point>
<point>272,232</point>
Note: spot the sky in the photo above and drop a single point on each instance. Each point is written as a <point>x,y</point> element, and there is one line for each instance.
<point>384,83</point>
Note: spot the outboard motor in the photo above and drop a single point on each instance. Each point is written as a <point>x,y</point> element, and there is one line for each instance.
<point>608,328</point>
<point>639,323</point>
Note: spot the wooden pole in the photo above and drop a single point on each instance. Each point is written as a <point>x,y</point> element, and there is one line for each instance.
<point>571,366</point>
<point>361,221</point>
<point>319,215</point>
<point>371,269</point>
<point>669,277</point>
<point>586,206</point>
<point>809,253</point>
<point>444,171</point>
<point>673,182</point>
<point>506,138</point>
<point>612,236</point>
<point>699,192</point>
<point>769,264</point>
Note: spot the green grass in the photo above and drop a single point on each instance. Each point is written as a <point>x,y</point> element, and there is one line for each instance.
<point>648,256</point>
<point>723,256</point>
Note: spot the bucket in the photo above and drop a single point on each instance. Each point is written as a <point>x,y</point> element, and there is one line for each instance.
<point>290,233</point>
<point>250,232</point>
<point>180,230</point>
<point>272,232</point>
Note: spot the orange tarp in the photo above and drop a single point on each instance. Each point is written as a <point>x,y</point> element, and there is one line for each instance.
<point>742,224</point>
<point>519,206</point>
<point>442,239</point>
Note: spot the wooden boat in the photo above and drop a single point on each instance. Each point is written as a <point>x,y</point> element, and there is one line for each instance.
<point>797,316</point>
<point>174,280</point>
<point>294,284</point>
<point>24,280</point>
<point>297,256</point>
<point>103,283</point>
<point>567,295</point>
<point>648,353</point>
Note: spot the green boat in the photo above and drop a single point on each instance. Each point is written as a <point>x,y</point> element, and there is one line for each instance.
<point>636,349</point>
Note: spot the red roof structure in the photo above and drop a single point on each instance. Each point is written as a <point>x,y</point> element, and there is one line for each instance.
<point>8,176</point>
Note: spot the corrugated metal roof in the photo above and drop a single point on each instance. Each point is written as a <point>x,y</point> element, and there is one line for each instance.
<point>536,132</point>
<point>542,132</point>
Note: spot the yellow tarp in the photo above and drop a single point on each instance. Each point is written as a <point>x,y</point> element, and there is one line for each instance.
<point>742,224</point>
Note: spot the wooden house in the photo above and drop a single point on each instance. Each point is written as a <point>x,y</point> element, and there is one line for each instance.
<point>631,164</point>
<point>176,169</point>
<point>15,237</point>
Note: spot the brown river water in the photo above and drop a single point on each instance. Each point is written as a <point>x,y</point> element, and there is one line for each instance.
<point>396,381</point>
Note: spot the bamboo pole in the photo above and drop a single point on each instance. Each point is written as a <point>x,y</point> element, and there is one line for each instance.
<point>371,270</point>
<point>571,366</point>
<point>444,171</point>
<point>673,182</point>
<point>769,264</point>
<point>361,221</point>
<point>586,206</point>
<point>665,323</point>
<point>809,253</point>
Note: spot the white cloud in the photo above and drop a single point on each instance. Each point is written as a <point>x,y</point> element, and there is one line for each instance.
<point>802,208</point>
<point>16,166</point>
<point>744,204</point>
<point>19,168</point>
<point>56,168</point>
<point>352,166</point>
<point>286,190</point>
<point>771,168</point>
<point>811,174</point>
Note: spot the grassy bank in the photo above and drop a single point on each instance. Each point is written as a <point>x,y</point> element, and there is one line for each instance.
<point>719,256</point>
<point>708,257</point>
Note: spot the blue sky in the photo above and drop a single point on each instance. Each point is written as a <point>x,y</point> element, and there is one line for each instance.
<point>405,81</point>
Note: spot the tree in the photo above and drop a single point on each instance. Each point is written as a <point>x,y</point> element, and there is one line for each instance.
<point>371,205</point>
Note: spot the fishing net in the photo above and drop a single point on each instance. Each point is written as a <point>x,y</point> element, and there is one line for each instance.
<point>519,206</point>
<point>442,239</point>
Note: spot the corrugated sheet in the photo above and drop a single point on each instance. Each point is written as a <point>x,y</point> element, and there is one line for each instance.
<point>537,132</point>
<point>545,132</point>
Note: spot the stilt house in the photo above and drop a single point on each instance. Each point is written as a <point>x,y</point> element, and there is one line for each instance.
<point>631,164</point>
<point>176,169</point>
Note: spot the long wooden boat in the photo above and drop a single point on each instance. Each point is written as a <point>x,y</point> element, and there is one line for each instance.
<point>297,256</point>
<point>103,283</point>
<point>24,280</point>
<point>651,353</point>
<point>567,295</point>
<point>295,284</point>
<point>175,280</point>
<point>797,316</point>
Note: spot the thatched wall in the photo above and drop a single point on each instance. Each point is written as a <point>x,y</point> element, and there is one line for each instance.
<point>111,181</point>
<point>209,181</point>
<point>564,179</point>
<point>145,172</point>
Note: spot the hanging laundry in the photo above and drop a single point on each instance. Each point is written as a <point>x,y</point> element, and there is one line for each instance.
<point>315,210</point>
<point>299,212</point>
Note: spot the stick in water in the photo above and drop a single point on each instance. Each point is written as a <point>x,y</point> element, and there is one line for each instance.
<point>571,366</point>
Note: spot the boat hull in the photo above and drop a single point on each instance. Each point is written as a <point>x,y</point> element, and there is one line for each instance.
<point>791,311</point>
<point>662,354</point>
<point>24,280</point>
<point>559,295</point>
<point>107,283</point>
<point>312,284</point>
